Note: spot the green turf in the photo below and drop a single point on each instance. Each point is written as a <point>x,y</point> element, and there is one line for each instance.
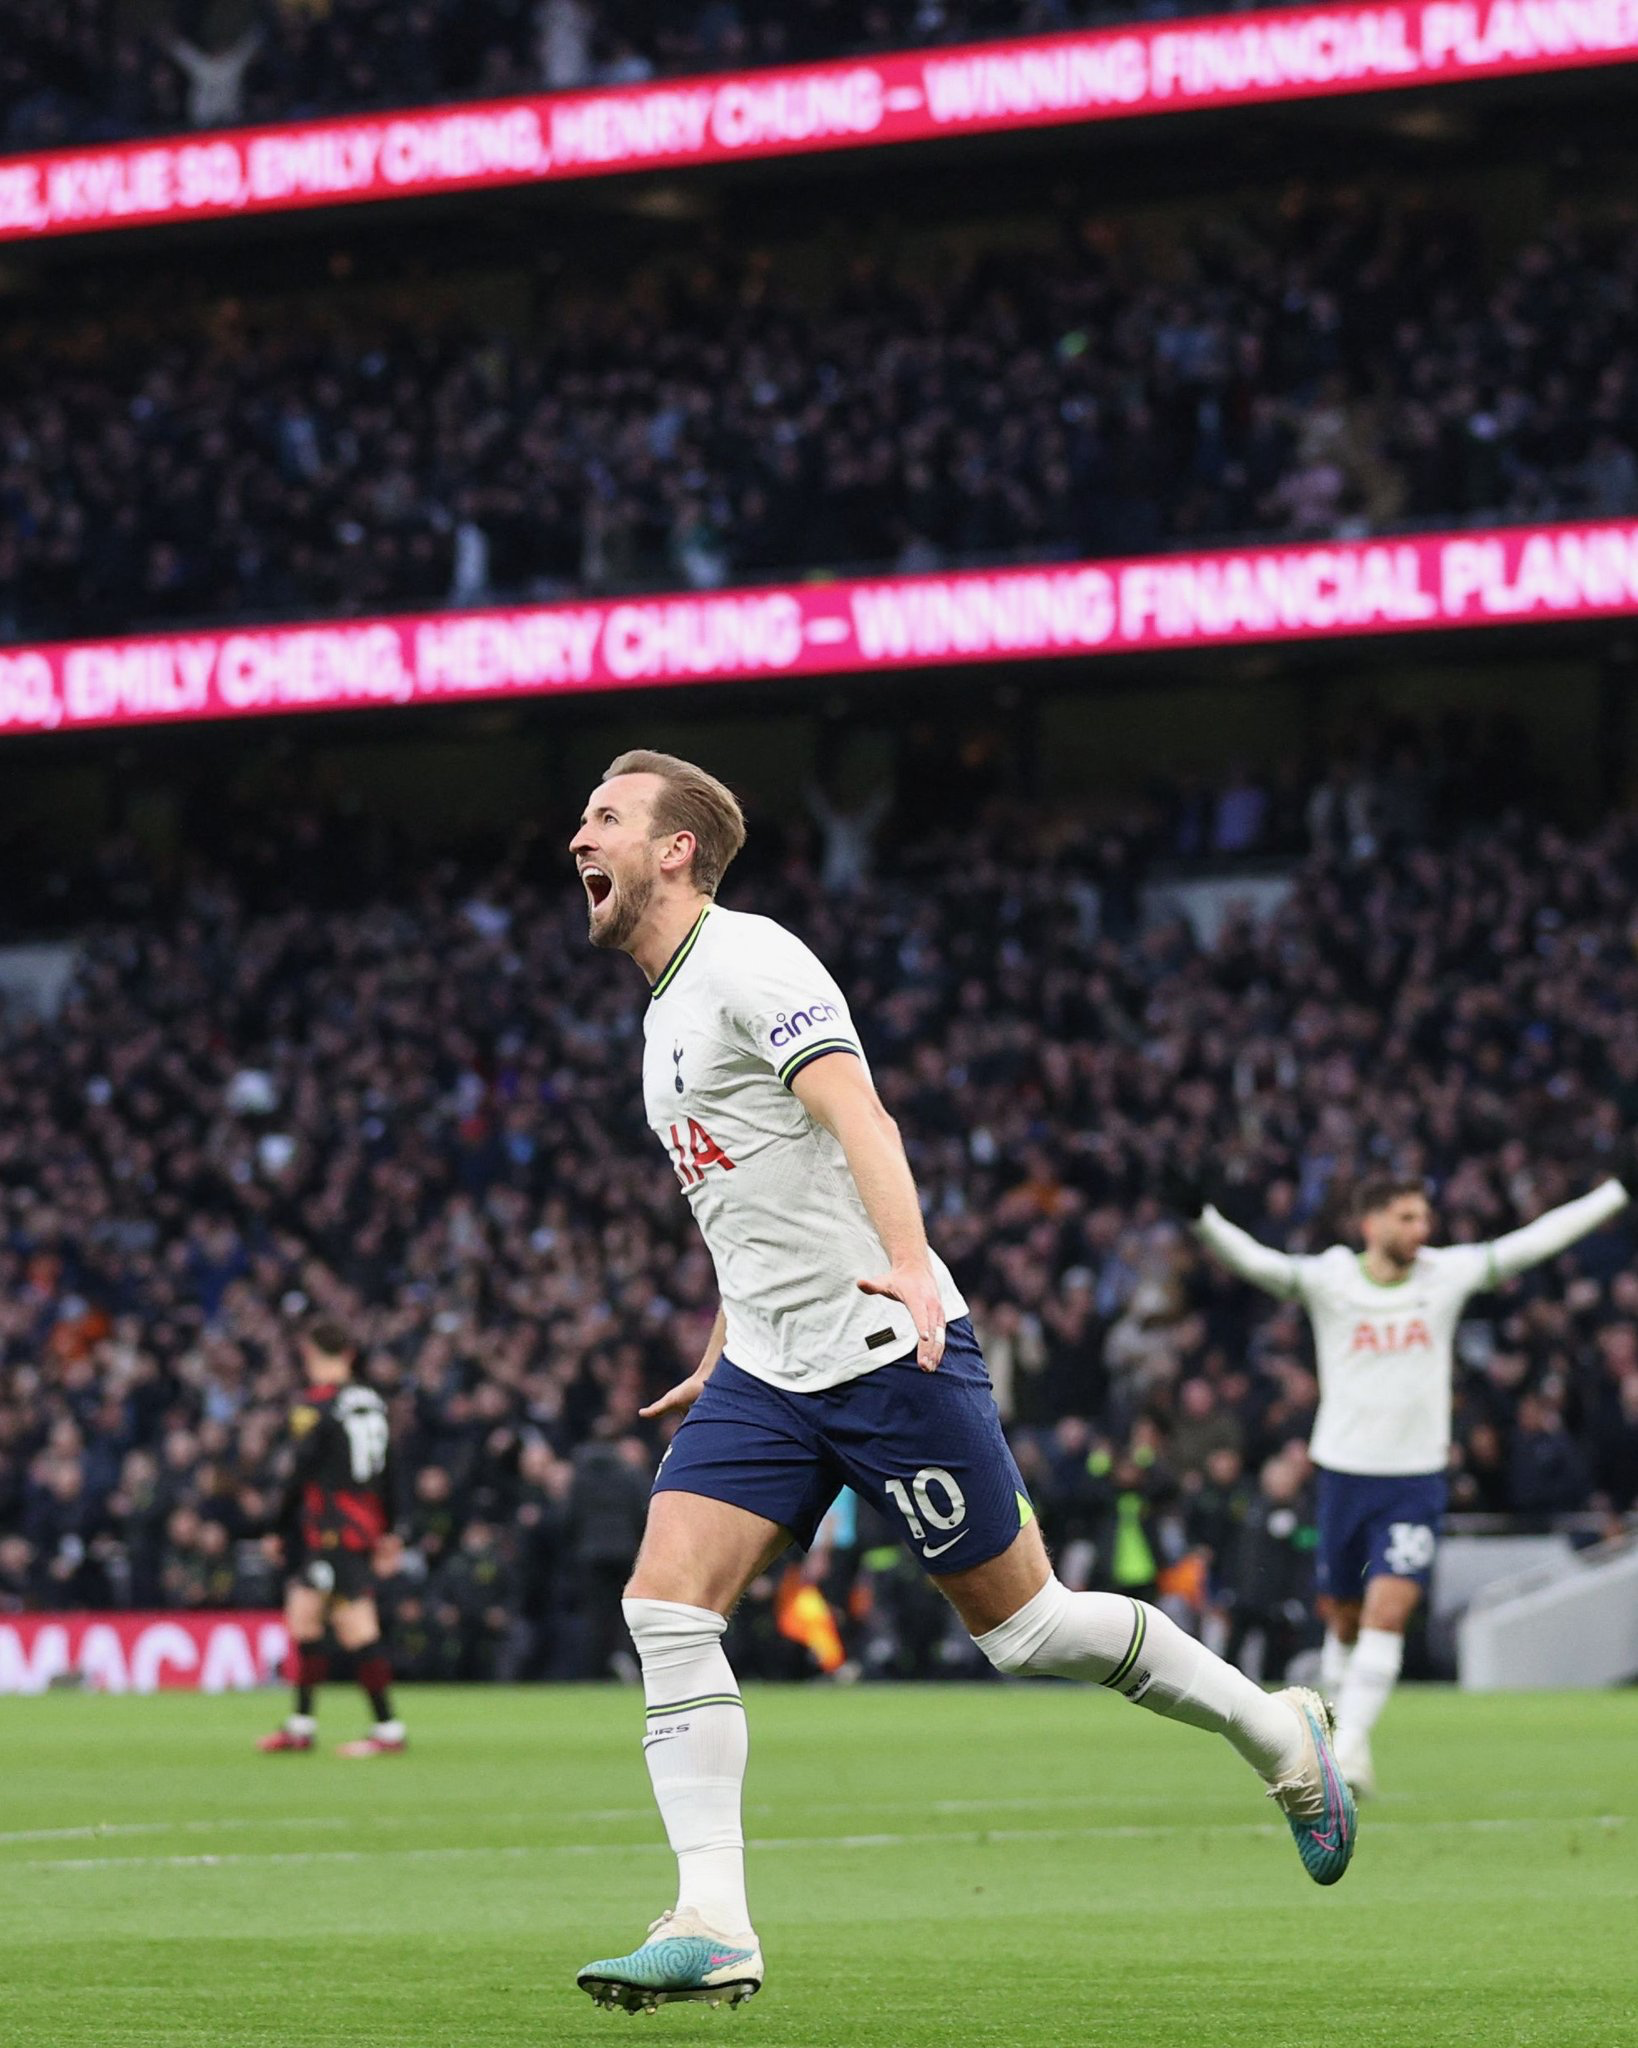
<point>995,1867</point>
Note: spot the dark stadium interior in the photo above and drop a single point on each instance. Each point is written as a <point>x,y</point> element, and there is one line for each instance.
<point>331,1034</point>
<point>1037,373</point>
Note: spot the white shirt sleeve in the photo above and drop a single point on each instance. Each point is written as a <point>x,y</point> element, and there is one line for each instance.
<point>1461,1270</point>
<point>1555,1232</point>
<point>787,1006</point>
<point>1277,1273</point>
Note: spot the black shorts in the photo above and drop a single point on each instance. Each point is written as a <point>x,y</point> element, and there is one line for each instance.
<point>338,1574</point>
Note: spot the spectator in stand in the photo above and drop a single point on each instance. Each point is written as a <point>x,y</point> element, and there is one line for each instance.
<point>607,1507</point>
<point>1271,1570</point>
<point>137,1509</point>
<point>1549,1469</point>
<point>473,1601</point>
<point>216,77</point>
<point>849,834</point>
<point>20,1584</point>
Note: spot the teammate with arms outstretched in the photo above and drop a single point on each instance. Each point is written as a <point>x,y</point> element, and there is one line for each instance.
<point>1384,1322</point>
<point>841,1355</point>
<point>334,1532</point>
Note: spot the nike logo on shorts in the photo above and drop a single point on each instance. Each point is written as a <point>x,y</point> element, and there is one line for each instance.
<point>929,1555</point>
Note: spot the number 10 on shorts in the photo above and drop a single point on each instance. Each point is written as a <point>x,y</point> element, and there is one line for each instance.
<point>932,1501</point>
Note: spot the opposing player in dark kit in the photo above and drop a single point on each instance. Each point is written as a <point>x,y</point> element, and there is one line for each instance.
<point>334,1534</point>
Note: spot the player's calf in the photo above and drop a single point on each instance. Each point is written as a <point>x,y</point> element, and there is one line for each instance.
<point>373,1672</point>
<point>1135,1650</point>
<point>308,1667</point>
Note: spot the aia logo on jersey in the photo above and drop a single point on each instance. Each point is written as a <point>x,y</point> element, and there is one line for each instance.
<point>1390,1340</point>
<point>786,1030</point>
<point>695,1154</point>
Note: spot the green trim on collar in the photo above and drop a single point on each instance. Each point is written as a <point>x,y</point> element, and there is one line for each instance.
<point>671,969</point>
<point>1382,1286</point>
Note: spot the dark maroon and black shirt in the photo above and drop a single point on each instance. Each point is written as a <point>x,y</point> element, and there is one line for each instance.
<point>341,1490</point>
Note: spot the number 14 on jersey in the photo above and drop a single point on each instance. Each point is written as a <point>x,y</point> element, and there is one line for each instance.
<point>700,1151</point>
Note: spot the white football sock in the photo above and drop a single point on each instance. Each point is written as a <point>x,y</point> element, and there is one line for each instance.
<point>1335,1656</point>
<point>1134,1650</point>
<point>1373,1672</point>
<point>696,1748</point>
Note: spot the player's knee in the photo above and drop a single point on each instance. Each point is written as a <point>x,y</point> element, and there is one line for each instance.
<point>1012,1660</point>
<point>1390,1604</point>
<point>1023,1645</point>
<point>356,1623</point>
<point>664,1629</point>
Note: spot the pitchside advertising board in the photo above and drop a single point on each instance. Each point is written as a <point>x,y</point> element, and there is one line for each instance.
<point>1236,596</point>
<point>1290,53</point>
<point>212,1652</point>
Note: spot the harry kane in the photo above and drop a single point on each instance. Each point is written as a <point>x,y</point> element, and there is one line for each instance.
<point>1384,1323</point>
<point>841,1356</point>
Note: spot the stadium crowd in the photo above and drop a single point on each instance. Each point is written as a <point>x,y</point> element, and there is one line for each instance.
<point>281,1087</point>
<point>1335,363</point>
<point>106,70</point>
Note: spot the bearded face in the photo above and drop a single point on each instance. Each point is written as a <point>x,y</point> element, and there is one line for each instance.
<point>618,893</point>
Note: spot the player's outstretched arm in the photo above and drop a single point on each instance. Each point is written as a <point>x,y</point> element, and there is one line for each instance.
<point>1274,1272</point>
<point>1556,1231</point>
<point>685,1393</point>
<point>837,1092</point>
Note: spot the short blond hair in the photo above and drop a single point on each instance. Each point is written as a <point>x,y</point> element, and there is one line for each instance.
<point>689,800</point>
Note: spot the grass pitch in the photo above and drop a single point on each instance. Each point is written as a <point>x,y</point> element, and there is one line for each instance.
<point>987,1867</point>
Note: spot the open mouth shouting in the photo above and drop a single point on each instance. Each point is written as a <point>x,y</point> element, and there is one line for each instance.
<point>613,912</point>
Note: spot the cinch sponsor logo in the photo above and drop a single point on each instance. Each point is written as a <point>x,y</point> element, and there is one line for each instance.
<point>1390,1339</point>
<point>787,1030</point>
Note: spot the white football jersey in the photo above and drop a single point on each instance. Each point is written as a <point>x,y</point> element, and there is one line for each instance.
<point>1386,1354</point>
<point>740,1009</point>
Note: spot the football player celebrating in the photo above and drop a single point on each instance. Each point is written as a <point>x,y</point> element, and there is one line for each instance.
<point>1384,1322</point>
<point>333,1536</point>
<point>842,1355</point>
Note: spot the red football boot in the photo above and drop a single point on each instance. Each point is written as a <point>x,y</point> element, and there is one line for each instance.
<point>286,1738</point>
<point>387,1738</point>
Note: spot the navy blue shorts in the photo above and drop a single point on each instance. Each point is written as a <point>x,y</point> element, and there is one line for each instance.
<point>1373,1527</point>
<point>926,1448</point>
